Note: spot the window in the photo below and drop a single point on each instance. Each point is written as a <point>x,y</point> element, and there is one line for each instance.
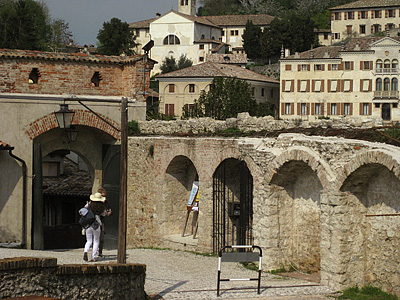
<point>170,109</point>
<point>367,65</point>
<point>395,84</point>
<point>304,67</point>
<point>201,46</point>
<point>317,87</point>
<point>362,29</point>
<point>303,86</point>
<point>34,76</point>
<point>379,64</point>
<point>303,109</point>
<point>96,78</point>
<point>337,16</point>
<point>272,93</point>
<point>334,67</point>
<point>288,109</point>
<point>222,32</point>
<point>262,92</point>
<point>191,88</point>
<point>347,110</point>
<point>326,36</point>
<point>390,26</point>
<point>203,36</point>
<point>349,29</point>
<point>337,36</point>
<point>348,65</point>
<point>318,110</point>
<point>376,28</point>
<point>366,85</point>
<point>334,86</point>
<point>171,88</point>
<point>379,84</point>
<point>171,40</point>
<point>391,13</point>
<point>234,32</point>
<point>386,84</point>
<point>288,67</point>
<point>364,15</point>
<point>318,67</point>
<point>347,86</point>
<point>288,85</point>
<point>253,91</point>
<point>333,109</point>
<point>51,168</point>
<point>365,109</point>
<point>386,64</point>
<point>350,15</point>
<point>377,14</point>
<point>201,58</point>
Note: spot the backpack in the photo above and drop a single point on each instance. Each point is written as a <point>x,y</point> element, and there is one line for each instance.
<point>87,217</point>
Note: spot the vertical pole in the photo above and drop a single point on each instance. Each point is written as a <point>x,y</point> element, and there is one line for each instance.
<point>121,259</point>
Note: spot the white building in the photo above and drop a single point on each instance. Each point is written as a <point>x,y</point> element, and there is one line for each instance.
<point>359,79</point>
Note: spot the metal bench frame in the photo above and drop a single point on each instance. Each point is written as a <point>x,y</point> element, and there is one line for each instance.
<point>239,257</point>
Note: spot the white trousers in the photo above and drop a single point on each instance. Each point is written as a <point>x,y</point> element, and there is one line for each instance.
<point>92,236</point>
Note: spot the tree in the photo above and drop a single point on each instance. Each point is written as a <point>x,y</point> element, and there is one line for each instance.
<point>219,7</point>
<point>116,38</point>
<point>60,35</point>
<point>24,24</point>
<point>169,64</point>
<point>226,98</point>
<point>252,40</point>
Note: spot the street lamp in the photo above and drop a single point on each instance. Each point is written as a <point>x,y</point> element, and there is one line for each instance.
<point>64,119</point>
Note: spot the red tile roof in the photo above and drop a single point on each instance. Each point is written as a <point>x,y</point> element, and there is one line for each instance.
<point>210,70</point>
<point>368,4</point>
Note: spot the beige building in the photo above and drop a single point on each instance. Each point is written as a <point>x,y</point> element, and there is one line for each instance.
<point>182,32</point>
<point>363,18</point>
<point>181,88</point>
<point>359,79</point>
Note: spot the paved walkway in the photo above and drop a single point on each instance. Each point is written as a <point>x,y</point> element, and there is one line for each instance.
<point>182,275</point>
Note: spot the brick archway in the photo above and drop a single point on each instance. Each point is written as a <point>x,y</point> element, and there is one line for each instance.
<point>382,157</point>
<point>82,117</point>
<point>316,163</point>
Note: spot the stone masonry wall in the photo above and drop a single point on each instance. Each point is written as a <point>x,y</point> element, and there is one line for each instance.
<point>42,277</point>
<point>312,197</point>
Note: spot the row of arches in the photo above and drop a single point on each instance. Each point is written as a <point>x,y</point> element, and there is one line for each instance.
<point>387,85</point>
<point>292,217</point>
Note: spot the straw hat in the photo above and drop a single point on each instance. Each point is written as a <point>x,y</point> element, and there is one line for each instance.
<point>97,197</point>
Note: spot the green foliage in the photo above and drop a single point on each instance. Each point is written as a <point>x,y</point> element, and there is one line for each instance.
<point>116,38</point>
<point>24,24</point>
<point>133,127</point>
<point>322,19</point>
<point>226,98</point>
<point>251,40</point>
<point>169,64</point>
<point>219,7</point>
<point>366,293</point>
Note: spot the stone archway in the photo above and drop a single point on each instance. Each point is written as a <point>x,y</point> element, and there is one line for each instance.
<point>369,222</point>
<point>178,181</point>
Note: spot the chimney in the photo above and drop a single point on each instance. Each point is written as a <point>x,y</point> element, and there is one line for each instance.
<point>158,15</point>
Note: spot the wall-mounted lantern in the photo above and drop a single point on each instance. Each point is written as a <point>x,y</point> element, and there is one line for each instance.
<point>64,119</point>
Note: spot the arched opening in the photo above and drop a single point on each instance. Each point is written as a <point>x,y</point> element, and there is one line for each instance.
<point>298,190</point>
<point>67,185</point>
<point>179,178</point>
<point>371,228</point>
<point>232,204</point>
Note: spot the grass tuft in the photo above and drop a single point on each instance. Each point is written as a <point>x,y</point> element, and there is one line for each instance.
<point>366,293</point>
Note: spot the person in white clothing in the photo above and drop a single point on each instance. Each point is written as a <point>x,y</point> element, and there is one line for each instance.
<point>98,208</point>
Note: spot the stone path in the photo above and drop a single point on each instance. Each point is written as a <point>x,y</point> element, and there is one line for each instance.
<point>182,275</point>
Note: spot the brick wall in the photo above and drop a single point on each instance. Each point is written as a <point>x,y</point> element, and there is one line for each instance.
<point>43,277</point>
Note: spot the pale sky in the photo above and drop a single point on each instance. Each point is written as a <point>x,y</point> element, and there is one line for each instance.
<point>86,17</point>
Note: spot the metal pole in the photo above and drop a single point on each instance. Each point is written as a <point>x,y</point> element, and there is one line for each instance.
<point>124,183</point>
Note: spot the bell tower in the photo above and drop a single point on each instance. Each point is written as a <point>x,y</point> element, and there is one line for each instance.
<point>187,7</point>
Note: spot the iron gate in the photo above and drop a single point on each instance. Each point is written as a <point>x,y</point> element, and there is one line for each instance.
<point>232,205</point>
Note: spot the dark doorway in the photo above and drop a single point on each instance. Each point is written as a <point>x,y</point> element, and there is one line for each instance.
<point>111,182</point>
<point>386,112</point>
<point>232,204</point>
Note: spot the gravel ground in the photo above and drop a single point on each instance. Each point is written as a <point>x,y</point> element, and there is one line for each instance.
<point>182,275</point>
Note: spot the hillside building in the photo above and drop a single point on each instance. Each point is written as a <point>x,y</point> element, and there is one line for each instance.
<point>358,79</point>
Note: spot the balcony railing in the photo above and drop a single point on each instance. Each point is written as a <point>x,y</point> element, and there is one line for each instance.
<point>386,94</point>
<point>387,71</point>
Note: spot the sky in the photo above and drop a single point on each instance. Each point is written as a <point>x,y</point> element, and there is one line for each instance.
<point>86,17</point>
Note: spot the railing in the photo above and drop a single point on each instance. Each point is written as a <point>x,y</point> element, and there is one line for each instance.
<point>387,71</point>
<point>386,94</point>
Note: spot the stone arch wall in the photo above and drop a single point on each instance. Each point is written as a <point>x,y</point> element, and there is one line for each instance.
<point>81,117</point>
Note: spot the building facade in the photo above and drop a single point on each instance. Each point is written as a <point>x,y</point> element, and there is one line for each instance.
<point>359,79</point>
<point>33,85</point>
<point>181,88</point>
<point>364,18</point>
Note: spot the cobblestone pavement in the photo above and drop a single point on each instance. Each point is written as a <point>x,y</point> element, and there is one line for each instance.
<point>182,275</point>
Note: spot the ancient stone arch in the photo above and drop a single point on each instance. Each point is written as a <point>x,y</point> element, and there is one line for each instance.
<point>82,117</point>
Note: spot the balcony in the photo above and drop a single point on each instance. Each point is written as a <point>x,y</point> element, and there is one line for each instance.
<point>386,95</point>
<point>387,71</point>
